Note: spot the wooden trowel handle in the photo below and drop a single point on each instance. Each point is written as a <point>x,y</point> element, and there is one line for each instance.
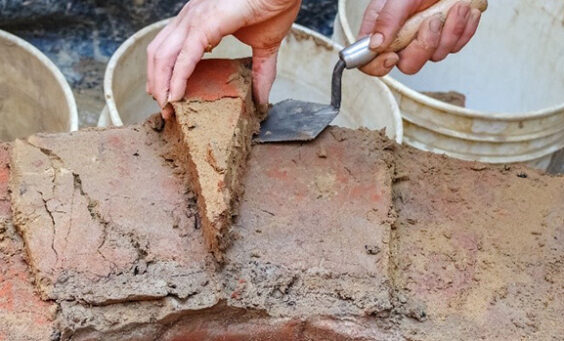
<point>360,54</point>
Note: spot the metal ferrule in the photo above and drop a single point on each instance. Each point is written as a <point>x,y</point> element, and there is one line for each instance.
<point>358,54</point>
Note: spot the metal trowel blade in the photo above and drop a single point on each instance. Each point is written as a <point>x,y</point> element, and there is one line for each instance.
<point>293,120</point>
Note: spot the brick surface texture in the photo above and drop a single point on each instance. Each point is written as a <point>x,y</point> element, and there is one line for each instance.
<point>350,237</point>
<point>23,315</point>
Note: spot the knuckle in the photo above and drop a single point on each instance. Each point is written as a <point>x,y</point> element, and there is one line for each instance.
<point>385,20</point>
<point>408,68</point>
<point>438,57</point>
<point>458,30</point>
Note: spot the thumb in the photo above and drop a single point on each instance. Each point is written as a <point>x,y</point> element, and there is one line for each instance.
<point>264,72</point>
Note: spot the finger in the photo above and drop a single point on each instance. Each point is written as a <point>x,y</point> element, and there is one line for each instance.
<point>381,65</point>
<point>455,24</point>
<point>152,51</point>
<point>370,16</point>
<point>469,31</point>
<point>264,72</point>
<point>164,61</point>
<point>192,52</point>
<point>167,112</point>
<point>391,19</point>
<point>419,51</point>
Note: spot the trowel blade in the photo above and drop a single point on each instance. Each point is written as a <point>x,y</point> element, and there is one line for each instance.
<point>292,120</point>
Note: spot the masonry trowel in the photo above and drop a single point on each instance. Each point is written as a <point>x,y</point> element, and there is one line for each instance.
<point>293,120</point>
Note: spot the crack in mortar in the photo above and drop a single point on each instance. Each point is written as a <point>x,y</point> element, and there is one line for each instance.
<point>53,225</point>
<point>95,214</point>
<point>56,164</point>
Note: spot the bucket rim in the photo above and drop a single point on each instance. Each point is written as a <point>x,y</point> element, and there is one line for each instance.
<point>53,69</point>
<point>499,159</point>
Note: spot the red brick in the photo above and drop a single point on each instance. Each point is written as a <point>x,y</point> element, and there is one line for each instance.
<point>224,328</point>
<point>302,271</point>
<point>213,79</point>
<point>24,316</point>
<point>471,257</point>
<point>106,218</point>
<point>314,228</point>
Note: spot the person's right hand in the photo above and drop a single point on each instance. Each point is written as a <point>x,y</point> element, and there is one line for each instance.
<point>200,26</point>
<point>436,39</point>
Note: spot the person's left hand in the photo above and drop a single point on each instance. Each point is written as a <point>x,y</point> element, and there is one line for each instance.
<point>435,40</point>
<point>200,26</point>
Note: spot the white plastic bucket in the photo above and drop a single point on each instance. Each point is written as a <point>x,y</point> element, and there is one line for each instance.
<point>512,74</point>
<point>305,66</point>
<point>34,95</point>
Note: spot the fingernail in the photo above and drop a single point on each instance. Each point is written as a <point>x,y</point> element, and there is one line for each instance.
<point>376,41</point>
<point>463,11</point>
<point>390,62</point>
<point>436,24</point>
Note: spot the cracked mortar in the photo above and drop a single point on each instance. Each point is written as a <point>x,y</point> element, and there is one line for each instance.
<point>309,259</point>
<point>79,190</point>
<point>100,253</point>
<point>322,248</point>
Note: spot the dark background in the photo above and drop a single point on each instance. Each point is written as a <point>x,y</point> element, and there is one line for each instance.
<point>80,36</point>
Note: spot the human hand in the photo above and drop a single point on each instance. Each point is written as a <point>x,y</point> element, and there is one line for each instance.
<point>436,39</point>
<point>200,26</point>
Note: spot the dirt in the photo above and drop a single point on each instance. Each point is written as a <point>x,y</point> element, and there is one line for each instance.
<point>351,236</point>
<point>451,97</point>
<point>479,248</point>
<point>217,121</point>
<point>300,241</point>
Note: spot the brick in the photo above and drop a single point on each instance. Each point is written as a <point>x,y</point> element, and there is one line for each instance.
<point>313,233</point>
<point>20,307</point>
<point>235,328</point>
<point>106,217</point>
<point>314,255</point>
<point>215,79</point>
<point>346,190</point>
<point>479,249</point>
<point>216,121</point>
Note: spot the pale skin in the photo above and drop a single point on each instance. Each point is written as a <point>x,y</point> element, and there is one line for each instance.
<point>263,24</point>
